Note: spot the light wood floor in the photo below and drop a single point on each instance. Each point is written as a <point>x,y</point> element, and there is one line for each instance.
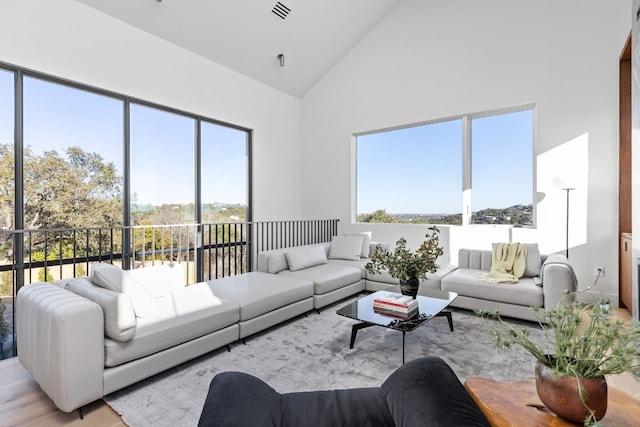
<point>22,403</point>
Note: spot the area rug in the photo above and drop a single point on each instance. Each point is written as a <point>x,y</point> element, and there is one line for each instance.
<point>312,353</point>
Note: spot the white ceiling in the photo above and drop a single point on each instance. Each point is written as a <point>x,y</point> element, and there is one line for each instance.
<point>247,37</point>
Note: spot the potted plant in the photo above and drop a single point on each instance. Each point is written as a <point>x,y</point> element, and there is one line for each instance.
<point>406,266</point>
<point>581,344</point>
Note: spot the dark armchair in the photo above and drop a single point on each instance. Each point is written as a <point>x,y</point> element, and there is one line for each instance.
<point>423,392</point>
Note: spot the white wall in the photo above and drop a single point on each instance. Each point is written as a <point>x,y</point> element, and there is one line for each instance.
<point>429,60</point>
<point>70,40</point>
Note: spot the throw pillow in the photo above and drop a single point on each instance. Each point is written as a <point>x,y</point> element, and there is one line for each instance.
<point>160,279</point>
<point>534,261</point>
<point>300,258</point>
<point>276,262</point>
<point>142,300</point>
<point>366,242</point>
<point>119,316</point>
<point>107,276</point>
<point>346,247</point>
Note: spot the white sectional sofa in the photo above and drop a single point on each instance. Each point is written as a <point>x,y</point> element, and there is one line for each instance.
<point>336,268</point>
<point>84,338</point>
<point>547,279</point>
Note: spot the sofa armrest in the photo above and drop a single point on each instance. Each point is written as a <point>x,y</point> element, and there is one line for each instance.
<point>558,281</point>
<point>61,343</point>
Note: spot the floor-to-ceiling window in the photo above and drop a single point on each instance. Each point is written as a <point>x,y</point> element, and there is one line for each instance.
<point>80,151</point>
<point>162,166</point>
<point>224,166</point>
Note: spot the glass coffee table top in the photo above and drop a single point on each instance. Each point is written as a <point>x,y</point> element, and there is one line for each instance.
<point>431,305</point>
<point>428,307</point>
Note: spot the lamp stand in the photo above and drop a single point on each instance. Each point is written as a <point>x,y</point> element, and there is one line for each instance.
<point>567,189</point>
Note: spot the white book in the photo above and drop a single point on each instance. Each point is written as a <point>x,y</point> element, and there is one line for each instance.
<point>396,300</point>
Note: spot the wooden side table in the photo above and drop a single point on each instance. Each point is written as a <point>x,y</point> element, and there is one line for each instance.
<point>516,404</point>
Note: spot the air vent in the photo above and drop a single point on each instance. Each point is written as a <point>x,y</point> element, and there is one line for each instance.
<point>280,10</point>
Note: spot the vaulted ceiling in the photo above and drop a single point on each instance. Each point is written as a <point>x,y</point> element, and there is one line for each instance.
<point>248,35</point>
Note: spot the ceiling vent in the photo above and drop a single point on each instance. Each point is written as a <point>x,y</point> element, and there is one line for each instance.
<point>280,10</point>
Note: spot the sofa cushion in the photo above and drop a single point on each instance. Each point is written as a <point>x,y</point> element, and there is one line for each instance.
<point>351,407</point>
<point>258,293</point>
<point>119,316</point>
<point>346,247</point>
<point>327,277</point>
<point>366,242</point>
<point>304,257</point>
<point>183,316</point>
<point>468,282</point>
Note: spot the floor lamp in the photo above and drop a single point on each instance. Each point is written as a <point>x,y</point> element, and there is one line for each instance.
<point>567,189</point>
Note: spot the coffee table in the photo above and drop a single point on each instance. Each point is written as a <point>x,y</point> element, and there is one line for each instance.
<point>430,306</point>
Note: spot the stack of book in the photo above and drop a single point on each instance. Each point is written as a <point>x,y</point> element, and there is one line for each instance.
<point>395,305</point>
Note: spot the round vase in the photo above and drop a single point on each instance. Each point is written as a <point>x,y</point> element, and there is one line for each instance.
<point>410,287</point>
<point>561,395</point>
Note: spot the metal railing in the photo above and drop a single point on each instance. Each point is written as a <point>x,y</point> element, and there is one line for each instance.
<point>209,251</point>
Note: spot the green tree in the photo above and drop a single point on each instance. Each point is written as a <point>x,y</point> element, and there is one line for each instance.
<point>5,330</point>
<point>6,284</point>
<point>380,215</point>
<point>42,272</point>
<point>74,190</point>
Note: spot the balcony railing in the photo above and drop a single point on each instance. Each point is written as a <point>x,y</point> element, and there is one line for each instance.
<point>209,251</point>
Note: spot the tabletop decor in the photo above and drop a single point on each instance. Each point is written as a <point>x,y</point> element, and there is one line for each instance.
<point>582,344</point>
<point>406,266</point>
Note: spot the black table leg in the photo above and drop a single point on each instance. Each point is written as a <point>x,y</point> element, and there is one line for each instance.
<point>446,314</point>
<point>403,334</point>
<point>354,331</point>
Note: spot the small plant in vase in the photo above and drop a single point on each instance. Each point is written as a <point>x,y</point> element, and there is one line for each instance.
<point>581,345</point>
<point>407,266</point>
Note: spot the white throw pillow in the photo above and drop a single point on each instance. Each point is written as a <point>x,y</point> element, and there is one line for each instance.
<point>142,300</point>
<point>107,276</point>
<point>534,261</point>
<point>160,279</point>
<point>346,247</point>
<point>366,242</point>
<point>306,257</point>
<point>276,262</point>
<point>119,315</point>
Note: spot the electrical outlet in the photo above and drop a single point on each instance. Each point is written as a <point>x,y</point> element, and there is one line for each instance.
<point>598,271</point>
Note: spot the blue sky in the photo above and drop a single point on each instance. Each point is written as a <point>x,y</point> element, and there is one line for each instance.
<point>419,169</point>
<point>162,148</point>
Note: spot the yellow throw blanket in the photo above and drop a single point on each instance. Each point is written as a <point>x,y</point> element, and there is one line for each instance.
<point>508,262</point>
